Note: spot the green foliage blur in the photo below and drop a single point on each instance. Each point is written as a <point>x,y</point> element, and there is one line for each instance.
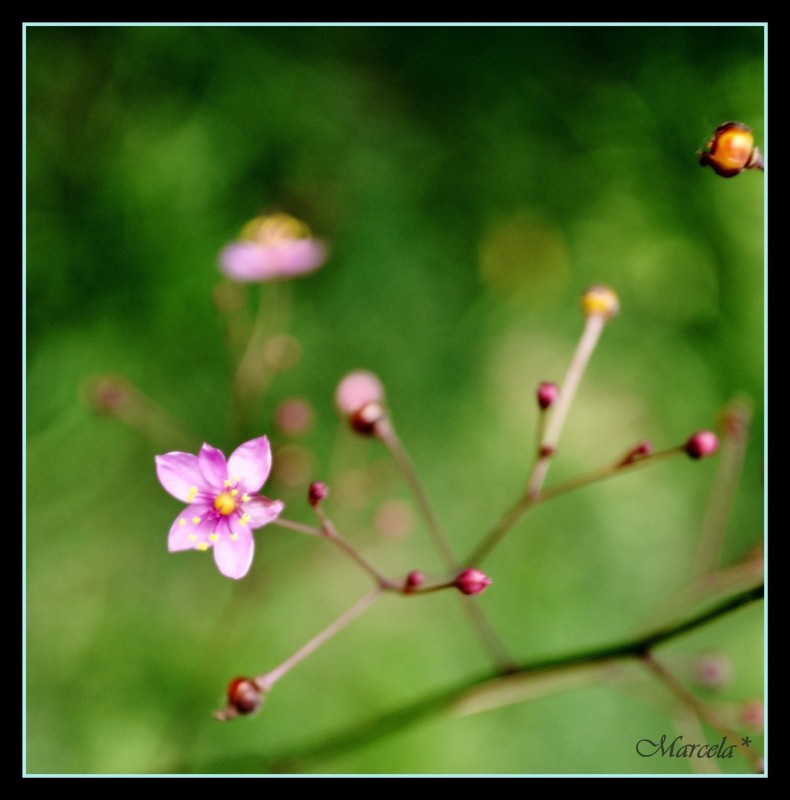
<point>471,183</point>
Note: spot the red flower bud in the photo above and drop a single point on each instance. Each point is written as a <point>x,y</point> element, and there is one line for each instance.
<point>244,696</point>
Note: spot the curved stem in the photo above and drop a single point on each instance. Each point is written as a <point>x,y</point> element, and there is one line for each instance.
<point>384,725</point>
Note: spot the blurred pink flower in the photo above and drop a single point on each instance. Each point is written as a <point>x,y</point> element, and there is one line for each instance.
<point>271,247</point>
<point>224,504</point>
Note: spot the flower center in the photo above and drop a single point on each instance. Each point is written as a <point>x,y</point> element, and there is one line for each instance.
<point>225,504</point>
<point>275,229</point>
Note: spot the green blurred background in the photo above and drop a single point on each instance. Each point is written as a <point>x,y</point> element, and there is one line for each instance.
<point>471,182</point>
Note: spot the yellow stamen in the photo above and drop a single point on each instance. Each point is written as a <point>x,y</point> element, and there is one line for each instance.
<point>234,536</point>
<point>192,537</point>
<point>181,522</point>
<point>245,518</point>
<point>193,490</point>
<point>213,537</point>
<point>196,520</point>
<point>202,546</point>
<point>245,498</point>
<point>225,504</point>
<point>227,483</point>
<point>234,492</point>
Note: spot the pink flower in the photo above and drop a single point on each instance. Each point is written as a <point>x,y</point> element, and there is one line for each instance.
<point>224,506</point>
<point>270,247</point>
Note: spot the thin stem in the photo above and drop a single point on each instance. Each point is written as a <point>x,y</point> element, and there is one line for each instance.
<point>692,702</point>
<point>311,530</point>
<point>605,472</point>
<point>253,372</point>
<point>387,434</point>
<point>386,724</point>
<point>115,396</point>
<point>328,531</point>
<point>714,527</point>
<point>266,681</point>
<point>516,513</point>
<point>593,327</point>
<point>485,632</point>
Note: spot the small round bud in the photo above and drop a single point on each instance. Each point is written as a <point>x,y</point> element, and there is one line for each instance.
<point>642,450</point>
<point>600,301</point>
<point>753,714</point>
<point>730,150</point>
<point>472,581</point>
<point>364,419</point>
<point>357,390</point>
<point>414,579</point>
<point>109,394</point>
<point>317,492</point>
<point>713,671</point>
<point>547,394</point>
<point>702,444</point>
<point>244,696</point>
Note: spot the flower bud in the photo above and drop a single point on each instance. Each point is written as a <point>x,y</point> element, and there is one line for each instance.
<point>713,671</point>
<point>547,394</point>
<point>702,444</point>
<point>109,394</point>
<point>642,450</point>
<point>359,397</point>
<point>244,696</point>
<point>472,581</point>
<point>731,150</point>
<point>317,492</point>
<point>364,419</point>
<point>600,301</point>
<point>414,579</point>
<point>753,714</point>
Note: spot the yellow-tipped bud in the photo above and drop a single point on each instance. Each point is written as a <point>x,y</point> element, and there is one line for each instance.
<point>600,301</point>
<point>731,150</point>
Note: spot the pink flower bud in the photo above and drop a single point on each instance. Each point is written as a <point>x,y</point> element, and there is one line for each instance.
<point>244,696</point>
<point>472,581</point>
<point>414,579</point>
<point>702,444</point>
<point>357,390</point>
<point>713,671</point>
<point>547,394</point>
<point>753,714</point>
<point>317,492</point>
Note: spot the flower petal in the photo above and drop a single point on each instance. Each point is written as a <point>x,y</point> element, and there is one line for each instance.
<point>185,534</point>
<point>247,261</point>
<point>178,473</point>
<point>261,510</point>
<point>233,557</point>
<point>297,257</point>
<point>250,463</point>
<point>213,466</point>
<point>244,261</point>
